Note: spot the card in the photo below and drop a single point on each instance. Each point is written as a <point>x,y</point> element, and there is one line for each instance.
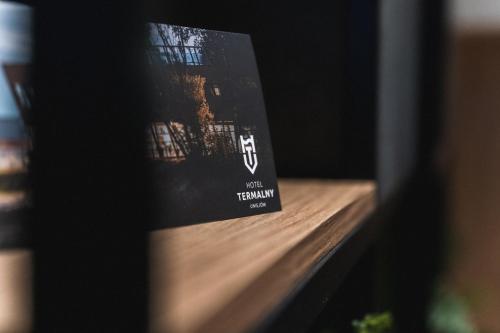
<point>208,140</point>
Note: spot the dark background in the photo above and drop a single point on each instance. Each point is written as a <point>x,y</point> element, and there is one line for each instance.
<point>317,63</point>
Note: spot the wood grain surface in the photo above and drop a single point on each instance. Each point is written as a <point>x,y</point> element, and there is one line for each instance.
<point>15,291</point>
<point>226,276</point>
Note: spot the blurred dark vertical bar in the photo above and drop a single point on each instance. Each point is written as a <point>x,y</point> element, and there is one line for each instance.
<point>399,53</point>
<point>410,109</point>
<point>90,245</point>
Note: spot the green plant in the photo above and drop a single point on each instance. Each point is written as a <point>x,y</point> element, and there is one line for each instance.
<point>374,323</point>
<point>449,313</point>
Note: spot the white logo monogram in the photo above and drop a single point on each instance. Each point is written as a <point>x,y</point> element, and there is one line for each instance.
<point>249,153</point>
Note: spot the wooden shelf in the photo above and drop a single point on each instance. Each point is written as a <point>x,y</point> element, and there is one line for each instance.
<point>15,290</point>
<point>229,276</point>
